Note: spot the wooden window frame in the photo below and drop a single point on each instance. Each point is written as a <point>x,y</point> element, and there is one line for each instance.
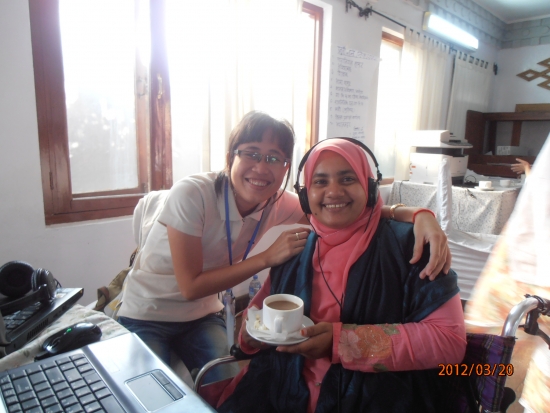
<point>388,37</point>
<point>154,131</point>
<point>314,103</point>
<point>60,205</point>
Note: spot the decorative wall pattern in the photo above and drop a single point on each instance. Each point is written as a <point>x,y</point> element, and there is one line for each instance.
<point>530,74</point>
<point>489,28</point>
<point>528,33</point>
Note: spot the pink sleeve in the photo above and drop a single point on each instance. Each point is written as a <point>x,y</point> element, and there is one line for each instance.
<point>258,302</point>
<point>439,338</point>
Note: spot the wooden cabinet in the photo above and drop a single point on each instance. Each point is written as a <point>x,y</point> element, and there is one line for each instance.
<point>482,127</point>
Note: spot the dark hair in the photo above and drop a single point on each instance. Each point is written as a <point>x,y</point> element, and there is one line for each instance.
<point>251,128</point>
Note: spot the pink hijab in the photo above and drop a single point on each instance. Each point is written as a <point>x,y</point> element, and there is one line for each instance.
<point>339,249</point>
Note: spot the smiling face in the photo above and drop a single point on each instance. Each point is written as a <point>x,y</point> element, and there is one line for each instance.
<point>255,182</point>
<point>335,195</point>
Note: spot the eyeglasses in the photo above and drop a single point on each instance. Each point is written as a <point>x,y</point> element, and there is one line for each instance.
<point>272,160</point>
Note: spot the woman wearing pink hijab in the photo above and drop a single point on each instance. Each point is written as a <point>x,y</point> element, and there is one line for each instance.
<point>380,331</point>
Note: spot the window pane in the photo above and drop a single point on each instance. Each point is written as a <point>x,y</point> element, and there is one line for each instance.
<point>388,85</point>
<point>98,41</point>
<point>213,77</point>
<point>190,43</point>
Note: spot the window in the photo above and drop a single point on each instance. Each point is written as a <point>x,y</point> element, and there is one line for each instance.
<point>109,113</point>
<point>388,85</point>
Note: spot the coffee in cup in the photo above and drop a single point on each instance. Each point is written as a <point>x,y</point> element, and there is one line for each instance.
<point>283,305</point>
<point>505,183</point>
<point>282,314</point>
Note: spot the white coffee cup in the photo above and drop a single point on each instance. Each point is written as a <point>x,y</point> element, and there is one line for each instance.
<point>505,183</point>
<point>485,184</point>
<point>282,313</point>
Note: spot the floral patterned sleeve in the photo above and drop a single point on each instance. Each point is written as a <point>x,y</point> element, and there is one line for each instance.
<point>439,338</point>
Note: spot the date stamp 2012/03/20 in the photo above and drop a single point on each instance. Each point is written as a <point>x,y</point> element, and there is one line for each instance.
<point>476,369</point>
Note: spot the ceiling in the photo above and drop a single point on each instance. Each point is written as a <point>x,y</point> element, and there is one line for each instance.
<point>510,11</point>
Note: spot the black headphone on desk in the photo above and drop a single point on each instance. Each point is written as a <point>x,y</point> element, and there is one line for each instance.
<point>372,184</point>
<point>17,278</point>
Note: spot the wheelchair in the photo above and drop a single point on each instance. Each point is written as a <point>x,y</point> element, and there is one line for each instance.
<point>477,390</point>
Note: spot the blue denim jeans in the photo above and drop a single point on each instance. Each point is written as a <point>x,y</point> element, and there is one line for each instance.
<point>196,342</point>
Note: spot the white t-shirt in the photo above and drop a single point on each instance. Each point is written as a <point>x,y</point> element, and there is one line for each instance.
<point>193,207</point>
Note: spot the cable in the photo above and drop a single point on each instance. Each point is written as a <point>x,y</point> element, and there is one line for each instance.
<point>340,302</point>
<point>324,278</point>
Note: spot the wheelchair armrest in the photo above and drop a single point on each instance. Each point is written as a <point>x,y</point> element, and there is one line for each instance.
<point>200,376</point>
<point>235,354</point>
<point>532,304</point>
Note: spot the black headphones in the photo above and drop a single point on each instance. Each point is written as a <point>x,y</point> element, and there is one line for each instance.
<point>372,184</point>
<point>17,278</point>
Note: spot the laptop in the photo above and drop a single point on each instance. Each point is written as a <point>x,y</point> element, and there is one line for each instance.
<point>116,375</point>
<point>20,327</point>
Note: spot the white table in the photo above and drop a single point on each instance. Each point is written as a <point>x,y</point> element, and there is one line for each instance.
<point>474,210</point>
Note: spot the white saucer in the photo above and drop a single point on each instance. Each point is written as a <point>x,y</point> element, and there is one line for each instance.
<point>260,335</point>
<point>484,189</point>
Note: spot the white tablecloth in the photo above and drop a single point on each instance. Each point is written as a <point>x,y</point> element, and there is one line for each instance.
<point>474,210</point>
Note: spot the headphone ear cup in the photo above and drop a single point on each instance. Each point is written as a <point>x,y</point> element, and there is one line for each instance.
<point>304,202</point>
<point>373,193</point>
<point>15,279</point>
<point>40,276</point>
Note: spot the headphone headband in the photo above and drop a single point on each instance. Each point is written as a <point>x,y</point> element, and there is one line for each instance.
<point>352,140</point>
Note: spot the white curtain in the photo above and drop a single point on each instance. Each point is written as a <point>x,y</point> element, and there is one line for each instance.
<point>226,60</point>
<point>425,66</point>
<point>471,88</point>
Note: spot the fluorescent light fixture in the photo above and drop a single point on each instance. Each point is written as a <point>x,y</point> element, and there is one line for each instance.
<point>449,31</point>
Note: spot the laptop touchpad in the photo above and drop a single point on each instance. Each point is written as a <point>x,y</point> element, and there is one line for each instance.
<point>154,390</point>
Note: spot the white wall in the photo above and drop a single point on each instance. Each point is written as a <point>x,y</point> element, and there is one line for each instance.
<point>510,90</point>
<point>365,35</point>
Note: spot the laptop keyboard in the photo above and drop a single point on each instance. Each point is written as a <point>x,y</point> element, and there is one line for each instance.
<point>68,384</point>
<point>14,320</point>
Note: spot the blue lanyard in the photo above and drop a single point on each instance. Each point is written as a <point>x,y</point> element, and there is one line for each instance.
<point>228,228</point>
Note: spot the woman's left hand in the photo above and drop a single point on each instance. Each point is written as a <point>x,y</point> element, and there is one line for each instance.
<point>427,230</point>
<point>319,344</point>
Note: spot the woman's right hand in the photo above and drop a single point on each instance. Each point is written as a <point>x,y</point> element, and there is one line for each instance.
<point>289,244</point>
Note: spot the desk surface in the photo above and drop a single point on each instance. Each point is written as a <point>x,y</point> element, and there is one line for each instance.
<point>77,314</point>
<point>484,212</point>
